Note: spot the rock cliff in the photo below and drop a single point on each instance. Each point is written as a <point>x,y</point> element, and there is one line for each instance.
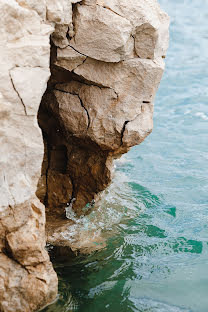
<point>77,87</point>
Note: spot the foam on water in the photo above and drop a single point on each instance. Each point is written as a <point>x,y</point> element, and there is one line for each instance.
<point>202,115</point>
<point>117,204</point>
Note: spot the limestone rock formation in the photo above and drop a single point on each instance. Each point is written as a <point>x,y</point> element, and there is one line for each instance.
<point>27,278</point>
<point>105,62</point>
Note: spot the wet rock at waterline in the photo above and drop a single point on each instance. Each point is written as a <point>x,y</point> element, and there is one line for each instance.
<point>106,62</point>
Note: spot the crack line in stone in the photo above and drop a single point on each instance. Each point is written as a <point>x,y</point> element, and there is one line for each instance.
<point>107,8</point>
<point>17,93</point>
<point>77,51</point>
<point>89,83</point>
<point>81,103</point>
<point>123,130</point>
<point>12,196</point>
<point>79,64</point>
<point>88,115</point>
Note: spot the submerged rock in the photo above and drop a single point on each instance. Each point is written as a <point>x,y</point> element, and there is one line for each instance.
<point>106,62</point>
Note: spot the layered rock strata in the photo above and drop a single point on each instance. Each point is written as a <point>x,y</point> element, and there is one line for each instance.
<point>106,61</point>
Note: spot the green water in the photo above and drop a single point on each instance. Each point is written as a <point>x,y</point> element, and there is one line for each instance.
<point>155,214</point>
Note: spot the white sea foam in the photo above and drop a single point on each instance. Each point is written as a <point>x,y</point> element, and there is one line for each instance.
<point>110,212</point>
<point>202,115</point>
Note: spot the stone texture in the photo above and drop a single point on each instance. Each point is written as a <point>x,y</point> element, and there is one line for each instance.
<point>30,84</point>
<point>60,12</point>
<point>69,59</point>
<point>132,85</point>
<point>111,34</point>
<point>27,279</point>
<point>106,62</point>
<point>149,21</point>
<point>99,100</point>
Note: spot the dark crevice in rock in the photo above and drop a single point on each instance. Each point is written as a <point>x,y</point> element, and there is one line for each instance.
<point>42,280</point>
<point>123,130</point>
<point>86,167</point>
<point>57,89</point>
<point>11,208</point>
<point>46,174</point>
<point>74,11</point>
<point>47,150</point>
<point>86,82</point>
<point>77,51</point>
<point>134,49</point>
<point>68,35</point>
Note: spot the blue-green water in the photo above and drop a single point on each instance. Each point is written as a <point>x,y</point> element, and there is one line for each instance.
<point>155,215</point>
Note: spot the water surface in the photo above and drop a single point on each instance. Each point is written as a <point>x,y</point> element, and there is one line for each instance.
<point>155,215</point>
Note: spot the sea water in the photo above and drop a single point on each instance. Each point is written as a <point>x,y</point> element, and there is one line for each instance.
<point>155,214</point>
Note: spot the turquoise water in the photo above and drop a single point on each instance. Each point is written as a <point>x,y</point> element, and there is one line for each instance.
<point>155,215</point>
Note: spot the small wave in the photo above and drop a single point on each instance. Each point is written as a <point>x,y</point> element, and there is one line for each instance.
<point>202,115</point>
<point>150,305</point>
<point>89,233</point>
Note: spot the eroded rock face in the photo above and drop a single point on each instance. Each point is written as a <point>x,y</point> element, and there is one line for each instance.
<point>99,100</point>
<point>27,278</point>
<point>106,62</point>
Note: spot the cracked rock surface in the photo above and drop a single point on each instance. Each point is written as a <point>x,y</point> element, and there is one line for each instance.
<point>27,278</point>
<point>92,87</point>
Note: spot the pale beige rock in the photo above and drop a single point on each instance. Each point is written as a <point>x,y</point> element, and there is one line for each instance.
<point>20,135</point>
<point>145,41</point>
<point>101,34</point>
<point>18,286</point>
<point>137,129</point>
<point>30,84</point>
<point>149,22</point>
<point>129,86</point>
<point>27,279</point>
<point>69,59</point>
<point>146,73</point>
<point>59,36</point>
<point>135,83</point>
<point>38,6</point>
<point>60,12</point>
